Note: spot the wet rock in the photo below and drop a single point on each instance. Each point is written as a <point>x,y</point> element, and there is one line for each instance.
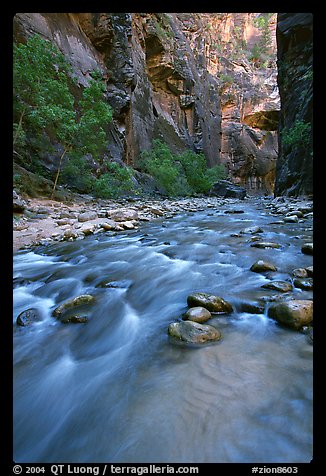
<point>226,189</point>
<point>17,282</point>
<point>303,283</point>
<point>193,332</point>
<point>307,248</point>
<point>291,219</point>
<point>210,302</point>
<point>28,316</point>
<point>74,319</point>
<point>123,284</point>
<point>252,230</point>
<point>294,313</point>
<point>86,216</point>
<point>265,244</point>
<point>72,303</point>
<point>300,273</point>
<point>260,266</point>
<point>309,270</point>
<point>282,286</point>
<point>251,308</point>
<point>197,314</point>
<point>298,213</point>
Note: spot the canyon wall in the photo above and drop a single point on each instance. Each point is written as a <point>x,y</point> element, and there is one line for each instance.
<point>295,79</point>
<point>184,78</point>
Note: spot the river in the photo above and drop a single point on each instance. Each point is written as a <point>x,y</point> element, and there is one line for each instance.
<point>119,389</point>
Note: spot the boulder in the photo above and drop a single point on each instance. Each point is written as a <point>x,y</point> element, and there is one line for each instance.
<point>193,332</point>
<point>310,271</point>
<point>197,314</point>
<point>86,216</point>
<point>226,189</point>
<point>121,214</point>
<point>307,248</point>
<point>210,302</point>
<point>72,303</point>
<point>294,313</point>
<point>28,316</point>
<point>282,286</point>
<point>303,283</point>
<point>300,273</point>
<point>108,225</point>
<point>260,266</point>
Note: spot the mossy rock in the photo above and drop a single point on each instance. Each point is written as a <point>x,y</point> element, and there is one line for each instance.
<point>210,302</point>
<point>72,303</point>
<point>294,313</point>
<point>193,332</point>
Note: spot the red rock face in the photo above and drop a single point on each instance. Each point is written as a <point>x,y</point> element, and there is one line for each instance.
<point>182,78</point>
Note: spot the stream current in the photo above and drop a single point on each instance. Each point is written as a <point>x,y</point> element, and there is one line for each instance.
<point>119,389</point>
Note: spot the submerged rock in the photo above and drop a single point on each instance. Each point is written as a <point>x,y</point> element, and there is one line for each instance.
<point>194,332</point>
<point>28,316</point>
<point>74,319</point>
<point>197,314</point>
<point>251,308</point>
<point>282,286</point>
<point>210,302</point>
<point>252,230</point>
<point>265,244</point>
<point>294,313</point>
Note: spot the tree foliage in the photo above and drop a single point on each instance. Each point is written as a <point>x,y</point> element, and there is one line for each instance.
<point>46,109</point>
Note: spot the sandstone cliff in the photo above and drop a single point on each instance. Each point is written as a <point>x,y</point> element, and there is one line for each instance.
<point>295,55</point>
<point>181,77</point>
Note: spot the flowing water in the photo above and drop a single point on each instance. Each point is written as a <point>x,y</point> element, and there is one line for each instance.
<point>119,389</point>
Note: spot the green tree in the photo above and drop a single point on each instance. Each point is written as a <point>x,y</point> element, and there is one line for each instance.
<point>44,102</point>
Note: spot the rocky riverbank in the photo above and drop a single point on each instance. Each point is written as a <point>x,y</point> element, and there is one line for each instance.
<point>39,221</point>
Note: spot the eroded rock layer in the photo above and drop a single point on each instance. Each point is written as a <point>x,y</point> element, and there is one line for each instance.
<point>184,78</point>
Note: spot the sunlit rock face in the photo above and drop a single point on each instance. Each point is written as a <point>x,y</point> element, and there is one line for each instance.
<point>295,79</point>
<point>184,78</point>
